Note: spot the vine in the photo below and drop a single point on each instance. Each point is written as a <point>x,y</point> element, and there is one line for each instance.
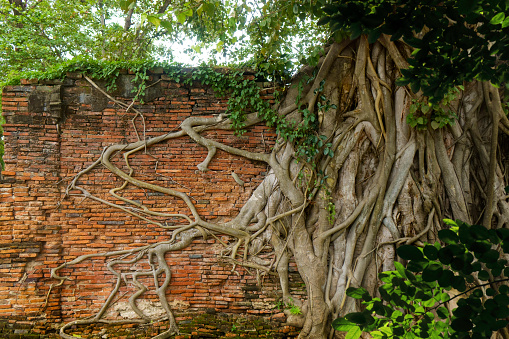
<point>384,179</point>
<point>244,95</point>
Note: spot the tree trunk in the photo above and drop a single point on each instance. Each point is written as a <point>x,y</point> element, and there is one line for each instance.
<point>374,184</point>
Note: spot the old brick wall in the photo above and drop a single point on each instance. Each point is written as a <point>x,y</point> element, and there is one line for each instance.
<point>54,130</point>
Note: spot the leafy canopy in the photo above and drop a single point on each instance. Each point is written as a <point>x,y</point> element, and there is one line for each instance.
<point>271,35</point>
<point>454,41</point>
<point>468,269</point>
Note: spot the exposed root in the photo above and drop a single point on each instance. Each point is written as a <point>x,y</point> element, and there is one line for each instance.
<point>379,184</point>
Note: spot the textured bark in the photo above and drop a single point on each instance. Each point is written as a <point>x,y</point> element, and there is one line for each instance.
<point>341,217</point>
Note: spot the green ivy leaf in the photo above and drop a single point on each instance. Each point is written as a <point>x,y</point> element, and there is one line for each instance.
<point>435,125</point>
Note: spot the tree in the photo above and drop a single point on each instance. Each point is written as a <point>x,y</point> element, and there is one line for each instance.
<point>363,162</point>
<point>39,34</point>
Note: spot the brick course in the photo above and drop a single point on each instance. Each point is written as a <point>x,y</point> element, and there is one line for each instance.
<point>53,130</point>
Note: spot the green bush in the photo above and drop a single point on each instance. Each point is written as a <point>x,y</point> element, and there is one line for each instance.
<point>467,268</point>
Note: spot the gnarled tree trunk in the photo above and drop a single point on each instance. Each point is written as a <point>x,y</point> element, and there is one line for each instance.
<point>380,183</point>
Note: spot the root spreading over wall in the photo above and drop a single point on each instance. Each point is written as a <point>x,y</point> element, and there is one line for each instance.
<point>374,184</point>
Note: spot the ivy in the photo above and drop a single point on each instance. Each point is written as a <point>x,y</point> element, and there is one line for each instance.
<point>244,95</point>
<point>413,298</point>
<point>423,112</point>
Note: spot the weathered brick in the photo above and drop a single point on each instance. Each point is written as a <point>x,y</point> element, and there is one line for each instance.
<point>41,158</point>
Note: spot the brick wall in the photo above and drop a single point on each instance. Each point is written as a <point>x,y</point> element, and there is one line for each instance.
<point>55,129</point>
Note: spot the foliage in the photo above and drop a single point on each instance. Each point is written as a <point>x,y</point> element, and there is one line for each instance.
<point>2,121</point>
<point>412,304</point>
<point>290,306</point>
<point>38,34</point>
<point>456,40</point>
<point>244,95</point>
<point>269,35</point>
<point>440,114</point>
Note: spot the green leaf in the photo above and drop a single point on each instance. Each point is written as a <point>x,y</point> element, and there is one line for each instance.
<point>450,222</point>
<point>503,233</point>
<point>477,293</point>
<point>505,23</point>
<point>415,85</point>
<point>154,20</point>
<point>373,36</point>
<point>357,318</point>
<point>480,232</point>
<point>448,236</point>
<point>124,5</point>
<point>323,21</point>
<point>402,81</point>
<point>431,252</point>
<point>489,256</point>
<point>459,283</point>
<point>462,324</point>
<point>400,268</point>
<point>219,46</point>
<point>341,324</point>
<point>457,264</point>
<point>435,125</point>
<point>444,297</point>
<point>484,275</point>
<point>199,10</point>
<point>356,31</point>
<point>356,293</point>
<point>466,6</point>
<point>432,273</point>
<point>497,19</point>
<point>166,25</point>
<point>409,252</point>
<point>181,18</point>
<point>354,333</point>
<point>415,266</point>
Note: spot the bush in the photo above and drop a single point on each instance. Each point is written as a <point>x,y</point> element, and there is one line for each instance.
<point>413,300</point>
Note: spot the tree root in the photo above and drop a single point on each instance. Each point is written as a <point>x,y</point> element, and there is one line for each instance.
<point>329,215</point>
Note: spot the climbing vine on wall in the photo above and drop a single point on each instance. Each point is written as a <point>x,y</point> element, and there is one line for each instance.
<point>243,93</point>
